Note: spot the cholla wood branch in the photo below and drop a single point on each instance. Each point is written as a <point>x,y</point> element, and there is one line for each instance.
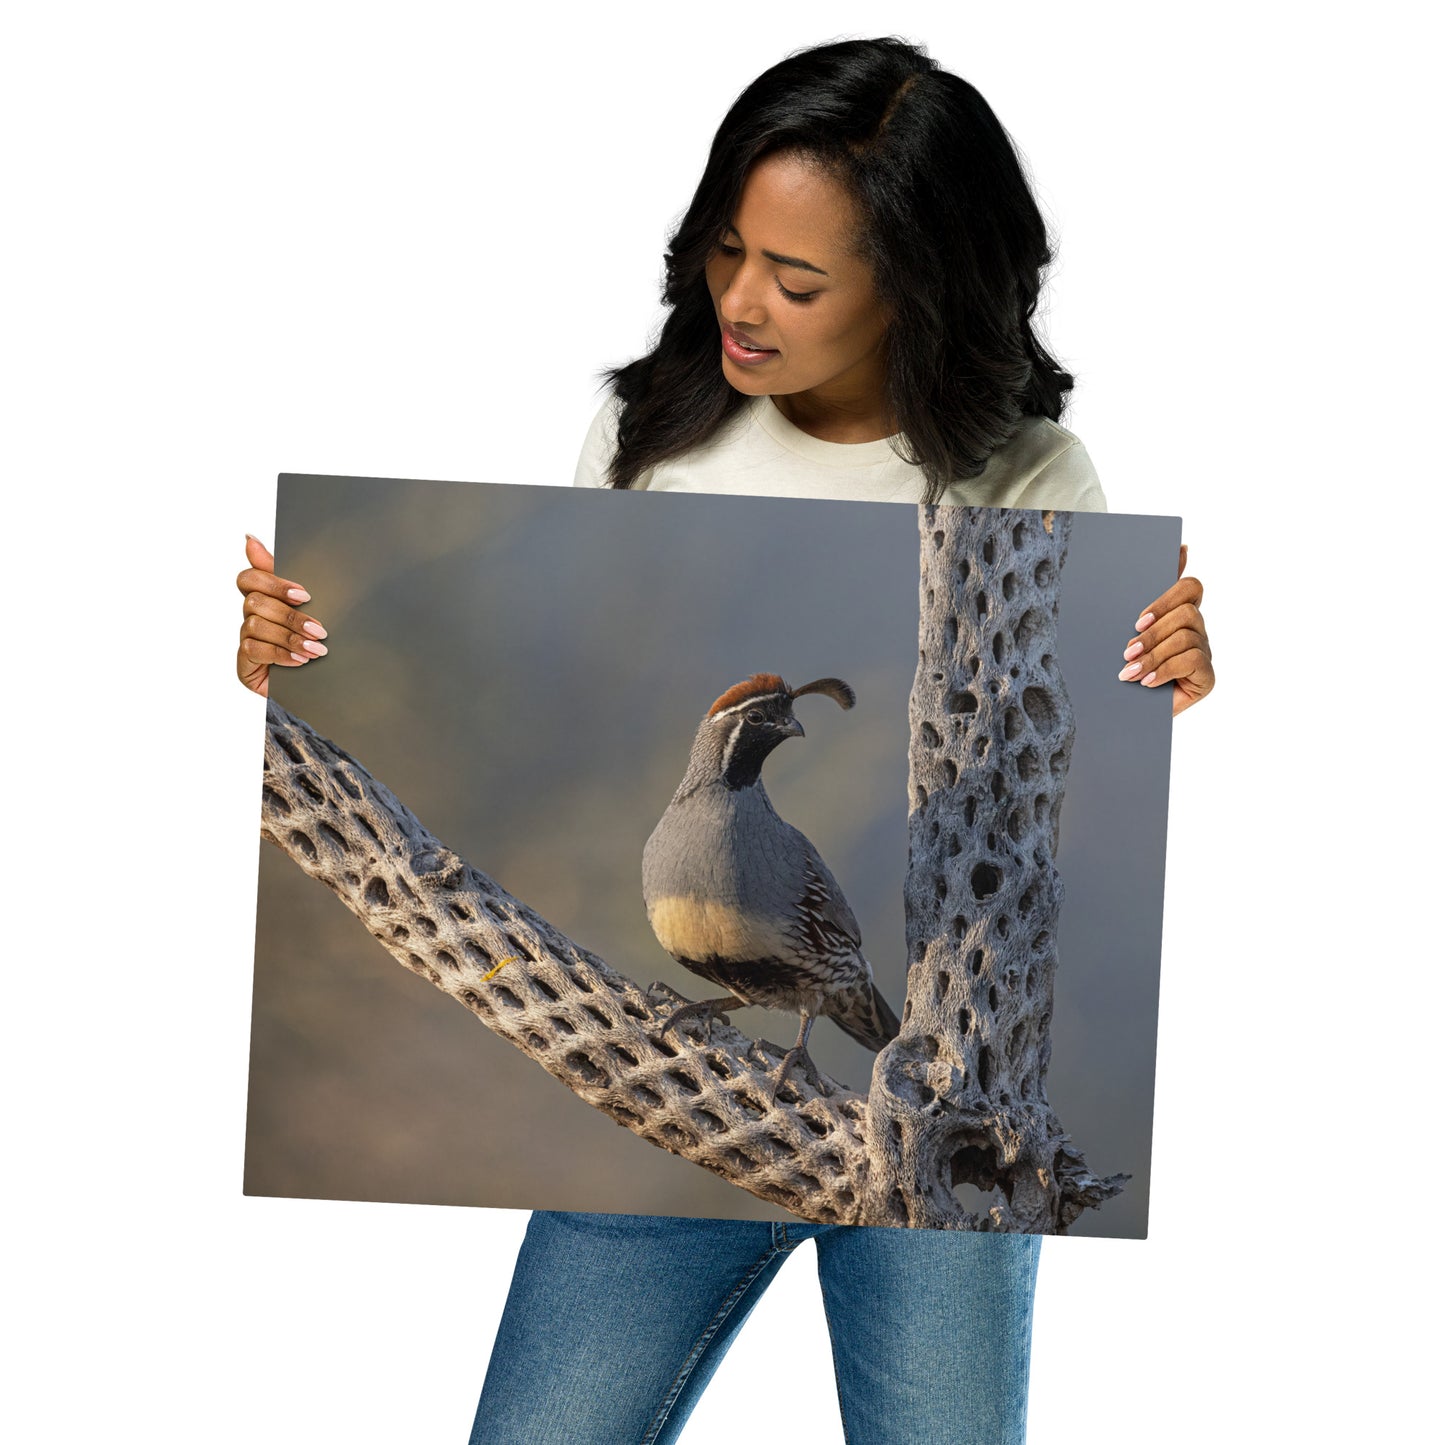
<point>585,1023</point>
<point>959,1096</point>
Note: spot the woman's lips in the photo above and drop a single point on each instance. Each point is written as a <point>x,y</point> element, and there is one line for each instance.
<point>742,349</point>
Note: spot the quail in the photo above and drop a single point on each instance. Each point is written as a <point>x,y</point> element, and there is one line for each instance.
<point>743,899</point>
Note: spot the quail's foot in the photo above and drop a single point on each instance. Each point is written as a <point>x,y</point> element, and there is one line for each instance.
<point>793,1057</point>
<point>708,1009</point>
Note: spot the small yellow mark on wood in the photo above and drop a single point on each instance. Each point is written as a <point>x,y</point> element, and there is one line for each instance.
<point>492,973</point>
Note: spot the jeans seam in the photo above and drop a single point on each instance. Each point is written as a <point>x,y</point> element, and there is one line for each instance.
<point>713,1325</point>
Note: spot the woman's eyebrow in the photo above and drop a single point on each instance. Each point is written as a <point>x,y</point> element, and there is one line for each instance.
<point>795,261</point>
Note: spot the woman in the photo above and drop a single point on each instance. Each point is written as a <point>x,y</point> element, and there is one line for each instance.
<point>850,299</point>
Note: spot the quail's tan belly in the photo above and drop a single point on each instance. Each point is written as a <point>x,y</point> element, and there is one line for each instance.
<point>702,928</point>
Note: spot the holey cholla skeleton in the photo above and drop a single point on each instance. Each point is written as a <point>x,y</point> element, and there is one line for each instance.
<point>958,1097</point>
<point>742,898</point>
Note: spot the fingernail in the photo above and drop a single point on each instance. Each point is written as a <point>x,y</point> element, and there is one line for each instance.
<point>1149,681</point>
<point>299,657</point>
<point>1129,671</point>
<point>315,629</point>
<point>297,594</point>
<point>251,537</point>
<point>1147,620</point>
<point>316,649</point>
<point>1133,650</point>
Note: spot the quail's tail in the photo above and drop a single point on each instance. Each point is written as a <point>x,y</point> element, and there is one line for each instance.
<point>864,1015</point>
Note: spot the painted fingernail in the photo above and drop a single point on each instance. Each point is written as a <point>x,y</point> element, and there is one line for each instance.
<point>1129,671</point>
<point>316,649</point>
<point>315,629</point>
<point>1149,681</point>
<point>1147,620</point>
<point>1133,650</point>
<point>299,657</point>
<point>297,594</point>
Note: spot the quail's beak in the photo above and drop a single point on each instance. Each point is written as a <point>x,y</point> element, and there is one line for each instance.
<point>790,729</point>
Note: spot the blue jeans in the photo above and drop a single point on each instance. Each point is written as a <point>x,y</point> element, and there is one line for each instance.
<point>615,1323</point>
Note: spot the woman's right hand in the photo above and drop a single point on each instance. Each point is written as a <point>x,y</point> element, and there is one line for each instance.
<point>272,630</point>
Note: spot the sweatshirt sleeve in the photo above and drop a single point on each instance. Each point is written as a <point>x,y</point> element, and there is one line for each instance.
<point>598,447</point>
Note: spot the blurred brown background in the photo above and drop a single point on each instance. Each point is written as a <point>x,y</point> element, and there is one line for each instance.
<point>525,668</point>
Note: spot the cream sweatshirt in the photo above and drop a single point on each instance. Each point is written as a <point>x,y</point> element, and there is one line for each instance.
<point>759,452</point>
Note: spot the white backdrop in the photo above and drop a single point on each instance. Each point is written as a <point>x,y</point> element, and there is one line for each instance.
<point>399,241</point>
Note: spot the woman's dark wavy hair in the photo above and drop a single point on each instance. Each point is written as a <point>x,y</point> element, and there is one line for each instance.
<point>950,228</point>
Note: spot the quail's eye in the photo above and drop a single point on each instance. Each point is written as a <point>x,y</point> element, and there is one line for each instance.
<point>754,716</point>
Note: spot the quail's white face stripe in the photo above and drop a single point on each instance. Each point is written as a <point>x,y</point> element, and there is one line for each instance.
<point>753,701</point>
<point>727,757</point>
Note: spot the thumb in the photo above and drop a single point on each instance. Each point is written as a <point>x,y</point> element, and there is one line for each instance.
<point>258,556</point>
<point>1183,557</point>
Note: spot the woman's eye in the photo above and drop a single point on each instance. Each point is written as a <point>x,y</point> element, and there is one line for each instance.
<point>796,295</point>
<point>723,249</point>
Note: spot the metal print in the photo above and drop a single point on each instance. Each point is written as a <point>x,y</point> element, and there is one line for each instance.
<point>814,844</point>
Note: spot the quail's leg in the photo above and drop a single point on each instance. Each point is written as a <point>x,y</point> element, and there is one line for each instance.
<point>795,1055</point>
<point>707,1008</point>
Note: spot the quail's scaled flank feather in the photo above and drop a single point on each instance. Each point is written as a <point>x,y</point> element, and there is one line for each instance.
<point>742,898</point>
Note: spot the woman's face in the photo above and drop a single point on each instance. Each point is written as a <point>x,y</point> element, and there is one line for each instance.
<point>795,304</point>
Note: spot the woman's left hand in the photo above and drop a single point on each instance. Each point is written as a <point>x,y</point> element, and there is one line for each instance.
<point>1171,644</point>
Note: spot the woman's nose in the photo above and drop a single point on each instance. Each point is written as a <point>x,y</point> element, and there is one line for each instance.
<point>741,303</point>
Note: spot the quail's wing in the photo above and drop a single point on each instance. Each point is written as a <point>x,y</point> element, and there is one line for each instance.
<point>823,911</point>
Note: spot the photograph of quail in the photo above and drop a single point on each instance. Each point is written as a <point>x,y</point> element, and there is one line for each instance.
<point>742,898</point>
<point>490,1037</point>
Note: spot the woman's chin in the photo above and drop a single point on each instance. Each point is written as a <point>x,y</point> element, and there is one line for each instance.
<point>747,380</point>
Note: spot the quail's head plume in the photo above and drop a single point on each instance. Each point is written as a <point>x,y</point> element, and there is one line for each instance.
<point>742,898</point>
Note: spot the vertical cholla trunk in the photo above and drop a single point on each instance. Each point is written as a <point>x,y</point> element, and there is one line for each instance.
<point>959,1097</point>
